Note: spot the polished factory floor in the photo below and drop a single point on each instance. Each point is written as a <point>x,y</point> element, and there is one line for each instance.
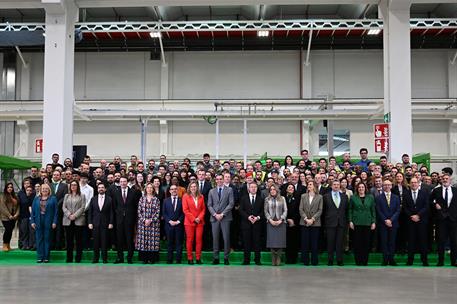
<point>231,284</point>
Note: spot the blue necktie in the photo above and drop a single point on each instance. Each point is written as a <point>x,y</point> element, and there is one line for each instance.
<point>220,193</point>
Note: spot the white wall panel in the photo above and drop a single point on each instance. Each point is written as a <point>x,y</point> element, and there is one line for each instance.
<point>236,75</point>
<point>429,74</point>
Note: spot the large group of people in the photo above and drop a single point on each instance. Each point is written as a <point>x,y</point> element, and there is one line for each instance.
<point>299,206</point>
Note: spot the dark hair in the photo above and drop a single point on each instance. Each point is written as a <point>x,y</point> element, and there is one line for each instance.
<point>78,188</point>
<point>363,150</point>
<point>383,157</point>
<point>206,155</point>
<point>291,161</point>
<point>447,170</point>
<point>5,193</point>
<point>304,150</point>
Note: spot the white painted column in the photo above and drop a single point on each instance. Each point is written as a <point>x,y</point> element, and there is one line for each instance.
<point>397,75</point>
<point>245,142</point>
<point>24,138</point>
<point>452,137</point>
<point>218,139</point>
<point>163,125</point>
<point>305,138</point>
<point>314,138</point>
<point>61,16</point>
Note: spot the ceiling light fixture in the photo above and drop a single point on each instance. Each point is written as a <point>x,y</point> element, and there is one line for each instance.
<point>155,34</point>
<point>263,33</point>
<point>374,32</point>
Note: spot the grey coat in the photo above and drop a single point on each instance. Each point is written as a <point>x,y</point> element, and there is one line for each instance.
<point>313,210</point>
<point>74,205</point>
<point>223,205</point>
<point>280,212</point>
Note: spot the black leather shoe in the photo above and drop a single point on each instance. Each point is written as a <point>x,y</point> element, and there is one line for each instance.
<point>393,263</point>
<point>440,264</point>
<point>129,261</point>
<point>340,263</point>
<point>199,262</point>
<point>409,263</point>
<point>226,262</point>
<point>190,262</point>
<point>178,262</point>
<point>330,263</point>
<point>216,262</point>
<point>425,264</point>
<point>245,263</point>
<point>169,262</point>
<point>94,261</point>
<point>258,263</point>
<point>105,262</point>
<point>119,261</point>
<point>384,263</point>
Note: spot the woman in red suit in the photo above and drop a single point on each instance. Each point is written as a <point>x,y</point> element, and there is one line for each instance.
<point>193,205</point>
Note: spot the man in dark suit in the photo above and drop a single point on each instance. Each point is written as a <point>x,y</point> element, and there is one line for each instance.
<point>388,211</point>
<point>294,181</point>
<point>100,221</point>
<point>252,217</point>
<point>58,189</point>
<point>416,207</point>
<point>174,220</point>
<point>220,205</point>
<point>377,188</point>
<point>444,201</point>
<point>203,187</point>
<point>335,211</point>
<point>125,201</point>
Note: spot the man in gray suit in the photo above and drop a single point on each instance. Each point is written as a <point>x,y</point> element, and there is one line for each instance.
<point>220,204</point>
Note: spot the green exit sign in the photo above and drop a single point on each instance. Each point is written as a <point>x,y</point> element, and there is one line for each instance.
<point>387,117</point>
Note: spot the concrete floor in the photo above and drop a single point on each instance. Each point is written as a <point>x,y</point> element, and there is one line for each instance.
<point>174,284</point>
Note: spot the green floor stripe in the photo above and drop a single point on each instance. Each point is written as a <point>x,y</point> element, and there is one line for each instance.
<point>22,257</point>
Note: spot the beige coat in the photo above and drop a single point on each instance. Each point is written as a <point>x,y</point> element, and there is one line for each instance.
<point>309,211</point>
<point>74,205</point>
<point>8,209</point>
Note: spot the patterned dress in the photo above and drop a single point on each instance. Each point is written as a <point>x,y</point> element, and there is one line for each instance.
<point>148,237</point>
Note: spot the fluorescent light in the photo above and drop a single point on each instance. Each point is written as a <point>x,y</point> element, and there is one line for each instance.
<point>155,34</point>
<point>374,32</point>
<point>263,33</point>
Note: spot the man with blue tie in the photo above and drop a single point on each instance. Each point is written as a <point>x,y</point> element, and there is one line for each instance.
<point>220,205</point>
<point>174,218</point>
<point>335,210</point>
<point>388,212</point>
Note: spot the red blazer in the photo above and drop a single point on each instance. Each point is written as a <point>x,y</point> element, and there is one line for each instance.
<point>191,212</point>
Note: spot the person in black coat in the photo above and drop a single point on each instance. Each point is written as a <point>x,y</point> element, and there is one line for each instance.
<point>416,207</point>
<point>252,218</point>
<point>444,201</point>
<point>125,202</point>
<point>293,219</point>
<point>335,213</point>
<point>101,216</point>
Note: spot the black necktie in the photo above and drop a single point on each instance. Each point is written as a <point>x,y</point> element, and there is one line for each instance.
<point>446,197</point>
<point>174,203</point>
<point>252,201</point>
<point>220,193</point>
<point>201,187</point>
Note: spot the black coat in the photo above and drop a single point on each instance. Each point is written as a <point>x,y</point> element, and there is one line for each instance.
<point>421,207</point>
<point>101,219</point>
<point>446,212</point>
<point>335,217</point>
<point>126,212</point>
<point>247,209</point>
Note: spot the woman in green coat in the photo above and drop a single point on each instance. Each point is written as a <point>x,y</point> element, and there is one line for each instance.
<point>362,219</point>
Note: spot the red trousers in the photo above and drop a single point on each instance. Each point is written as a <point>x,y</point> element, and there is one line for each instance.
<point>194,233</point>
